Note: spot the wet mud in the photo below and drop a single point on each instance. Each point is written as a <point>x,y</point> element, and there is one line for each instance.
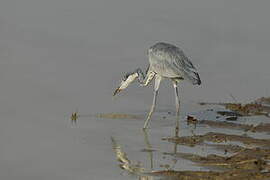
<point>233,156</point>
<point>263,127</point>
<point>217,138</point>
<point>260,106</point>
<point>252,159</point>
<point>210,175</point>
<point>118,116</point>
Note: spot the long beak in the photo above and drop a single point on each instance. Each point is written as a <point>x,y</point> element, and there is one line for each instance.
<point>124,84</point>
<point>117,91</point>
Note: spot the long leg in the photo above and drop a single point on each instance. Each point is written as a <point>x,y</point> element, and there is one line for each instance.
<point>177,101</point>
<point>149,147</point>
<point>177,104</point>
<point>157,83</point>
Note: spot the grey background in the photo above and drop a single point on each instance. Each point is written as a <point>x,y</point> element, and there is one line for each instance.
<point>56,56</point>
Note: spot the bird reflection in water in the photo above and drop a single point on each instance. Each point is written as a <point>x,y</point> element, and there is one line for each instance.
<point>138,169</point>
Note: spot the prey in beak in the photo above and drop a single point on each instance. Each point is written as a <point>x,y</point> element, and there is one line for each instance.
<point>127,80</point>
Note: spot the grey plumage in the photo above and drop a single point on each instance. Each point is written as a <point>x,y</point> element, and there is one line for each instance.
<point>165,61</point>
<point>170,61</point>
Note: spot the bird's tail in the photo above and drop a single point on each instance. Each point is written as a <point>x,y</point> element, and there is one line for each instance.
<point>199,82</point>
<point>193,77</point>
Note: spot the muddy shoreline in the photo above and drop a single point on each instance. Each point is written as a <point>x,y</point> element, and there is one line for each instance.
<point>241,156</point>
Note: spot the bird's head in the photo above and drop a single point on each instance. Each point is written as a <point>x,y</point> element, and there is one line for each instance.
<point>126,81</point>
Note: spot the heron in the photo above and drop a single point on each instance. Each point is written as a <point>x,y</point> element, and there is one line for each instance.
<point>165,61</point>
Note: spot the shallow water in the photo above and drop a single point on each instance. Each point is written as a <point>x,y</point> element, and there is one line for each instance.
<point>152,153</point>
<point>58,56</point>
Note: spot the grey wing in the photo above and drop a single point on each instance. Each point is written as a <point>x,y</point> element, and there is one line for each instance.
<point>180,61</point>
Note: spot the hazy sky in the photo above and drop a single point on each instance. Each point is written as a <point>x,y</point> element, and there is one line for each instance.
<point>57,55</point>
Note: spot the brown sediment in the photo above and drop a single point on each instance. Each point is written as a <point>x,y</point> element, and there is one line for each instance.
<point>263,100</point>
<point>248,160</point>
<point>249,109</point>
<point>210,175</point>
<point>263,127</point>
<point>227,148</point>
<point>224,124</point>
<point>186,140</point>
<point>246,163</point>
<point>118,116</point>
<point>217,137</point>
<point>253,159</point>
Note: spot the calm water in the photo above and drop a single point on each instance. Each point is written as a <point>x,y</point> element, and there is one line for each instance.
<point>57,56</point>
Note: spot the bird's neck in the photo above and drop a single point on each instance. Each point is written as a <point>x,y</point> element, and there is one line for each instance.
<point>141,75</point>
<point>145,79</point>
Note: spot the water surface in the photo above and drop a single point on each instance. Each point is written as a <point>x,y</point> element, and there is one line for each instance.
<point>57,56</point>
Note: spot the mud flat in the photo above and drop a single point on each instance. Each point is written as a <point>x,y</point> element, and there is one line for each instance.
<point>200,175</point>
<point>118,116</point>
<point>244,163</point>
<point>230,155</point>
<point>252,159</point>
<point>263,127</point>
<point>217,138</point>
<point>260,106</point>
